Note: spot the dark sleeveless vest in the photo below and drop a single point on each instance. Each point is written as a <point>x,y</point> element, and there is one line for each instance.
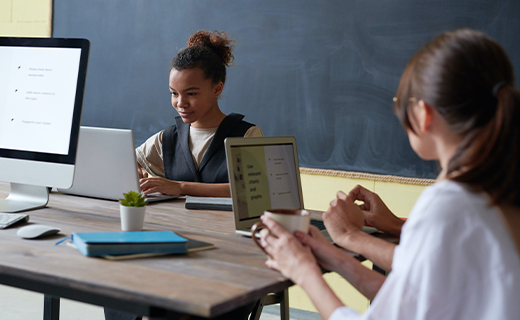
<point>177,158</point>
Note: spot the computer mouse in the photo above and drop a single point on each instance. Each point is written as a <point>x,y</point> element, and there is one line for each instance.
<point>37,231</point>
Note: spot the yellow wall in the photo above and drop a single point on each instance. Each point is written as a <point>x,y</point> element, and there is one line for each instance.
<point>319,190</point>
<point>25,18</point>
<point>33,18</point>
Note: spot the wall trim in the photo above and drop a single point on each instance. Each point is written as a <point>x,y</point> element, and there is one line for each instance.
<point>367,176</point>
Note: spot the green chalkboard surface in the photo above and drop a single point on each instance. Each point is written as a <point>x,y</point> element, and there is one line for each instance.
<point>322,71</point>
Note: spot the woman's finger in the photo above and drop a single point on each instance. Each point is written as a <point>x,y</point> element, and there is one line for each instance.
<point>272,264</point>
<point>149,190</point>
<point>264,234</point>
<point>313,239</point>
<point>341,195</point>
<point>359,193</point>
<point>306,237</point>
<point>275,229</point>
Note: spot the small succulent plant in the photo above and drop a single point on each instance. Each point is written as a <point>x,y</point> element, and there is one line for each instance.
<point>133,199</point>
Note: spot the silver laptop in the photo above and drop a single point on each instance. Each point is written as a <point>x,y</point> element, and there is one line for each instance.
<point>263,174</point>
<point>106,166</point>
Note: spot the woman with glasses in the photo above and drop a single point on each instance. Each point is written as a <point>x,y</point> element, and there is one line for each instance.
<point>458,256</point>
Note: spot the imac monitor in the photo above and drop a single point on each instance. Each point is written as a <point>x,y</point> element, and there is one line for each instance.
<point>42,81</point>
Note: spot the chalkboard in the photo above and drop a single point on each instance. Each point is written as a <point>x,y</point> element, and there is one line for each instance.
<point>322,71</point>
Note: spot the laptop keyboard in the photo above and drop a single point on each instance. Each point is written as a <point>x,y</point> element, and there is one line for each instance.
<point>318,224</point>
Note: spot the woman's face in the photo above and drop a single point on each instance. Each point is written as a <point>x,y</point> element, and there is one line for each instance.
<point>195,97</point>
<point>417,145</point>
<point>421,140</point>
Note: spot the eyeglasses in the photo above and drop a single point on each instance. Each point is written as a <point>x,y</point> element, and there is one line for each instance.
<point>412,99</point>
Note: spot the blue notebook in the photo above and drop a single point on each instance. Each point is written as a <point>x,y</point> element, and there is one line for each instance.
<point>123,243</point>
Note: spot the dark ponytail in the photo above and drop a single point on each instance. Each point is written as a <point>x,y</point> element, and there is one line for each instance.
<point>488,159</point>
<point>469,80</point>
<point>209,51</point>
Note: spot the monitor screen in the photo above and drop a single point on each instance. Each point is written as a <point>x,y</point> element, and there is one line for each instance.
<point>41,91</point>
<point>42,83</point>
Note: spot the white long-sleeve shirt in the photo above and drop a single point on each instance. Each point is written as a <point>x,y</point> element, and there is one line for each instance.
<point>456,260</point>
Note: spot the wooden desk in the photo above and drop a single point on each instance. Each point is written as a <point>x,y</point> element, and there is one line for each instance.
<point>205,283</point>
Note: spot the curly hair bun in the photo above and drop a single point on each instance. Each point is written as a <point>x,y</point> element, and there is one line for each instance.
<point>217,41</point>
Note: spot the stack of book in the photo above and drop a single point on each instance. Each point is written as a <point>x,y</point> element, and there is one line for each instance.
<point>141,243</point>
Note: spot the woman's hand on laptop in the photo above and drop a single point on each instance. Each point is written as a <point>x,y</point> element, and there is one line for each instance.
<point>161,185</point>
<point>183,188</point>
<point>142,172</point>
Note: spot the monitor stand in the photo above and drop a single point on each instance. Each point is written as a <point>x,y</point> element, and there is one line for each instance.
<point>24,197</point>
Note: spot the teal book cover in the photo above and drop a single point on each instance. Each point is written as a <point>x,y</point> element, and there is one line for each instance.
<point>123,243</point>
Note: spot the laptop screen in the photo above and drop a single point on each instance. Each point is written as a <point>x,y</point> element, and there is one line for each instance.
<point>264,176</point>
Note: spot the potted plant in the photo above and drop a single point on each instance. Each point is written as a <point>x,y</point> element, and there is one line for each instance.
<point>132,207</point>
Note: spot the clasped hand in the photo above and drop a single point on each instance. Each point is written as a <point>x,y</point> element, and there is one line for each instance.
<point>345,218</point>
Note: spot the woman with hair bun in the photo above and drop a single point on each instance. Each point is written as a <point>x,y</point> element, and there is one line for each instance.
<point>189,158</point>
<point>459,253</point>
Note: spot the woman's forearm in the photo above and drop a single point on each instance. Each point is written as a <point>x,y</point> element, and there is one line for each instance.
<point>379,251</point>
<point>366,281</point>
<point>321,295</point>
<point>199,189</point>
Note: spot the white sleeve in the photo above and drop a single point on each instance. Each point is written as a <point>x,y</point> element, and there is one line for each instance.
<point>254,131</point>
<point>445,266</point>
<point>345,313</point>
<point>149,155</point>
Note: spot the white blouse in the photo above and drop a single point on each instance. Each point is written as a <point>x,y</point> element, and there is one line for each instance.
<point>456,260</point>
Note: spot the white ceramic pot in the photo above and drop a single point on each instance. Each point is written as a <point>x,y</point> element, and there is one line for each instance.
<point>132,218</point>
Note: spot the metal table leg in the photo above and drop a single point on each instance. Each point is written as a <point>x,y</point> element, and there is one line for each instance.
<point>281,297</point>
<point>51,308</point>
